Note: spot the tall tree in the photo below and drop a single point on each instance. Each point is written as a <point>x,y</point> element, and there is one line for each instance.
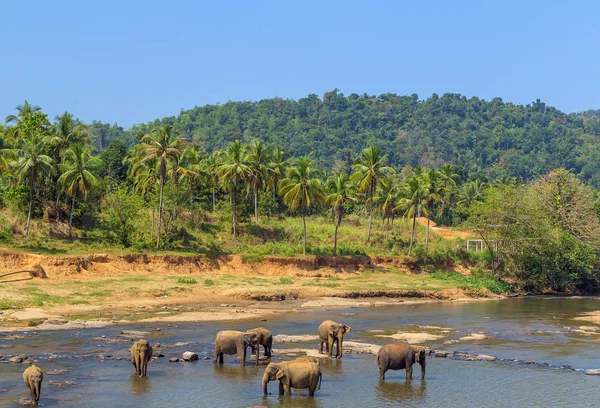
<point>433,179</point>
<point>415,194</point>
<point>387,200</point>
<point>370,168</point>
<point>258,163</point>
<point>79,175</point>
<point>68,132</point>
<point>32,148</point>
<point>341,190</point>
<point>300,189</point>
<point>164,145</point>
<point>277,169</point>
<point>234,170</point>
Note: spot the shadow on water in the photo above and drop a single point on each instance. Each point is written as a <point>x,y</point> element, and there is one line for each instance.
<point>401,391</point>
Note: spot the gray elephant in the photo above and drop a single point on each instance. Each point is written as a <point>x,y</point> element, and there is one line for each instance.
<point>401,357</point>
<point>330,333</point>
<point>264,338</point>
<point>141,353</point>
<point>234,342</point>
<point>297,374</point>
<point>33,378</point>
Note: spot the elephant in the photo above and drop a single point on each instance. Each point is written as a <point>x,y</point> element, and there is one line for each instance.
<point>264,338</point>
<point>401,357</point>
<point>141,353</point>
<point>293,374</point>
<point>330,333</point>
<point>232,342</point>
<point>33,378</point>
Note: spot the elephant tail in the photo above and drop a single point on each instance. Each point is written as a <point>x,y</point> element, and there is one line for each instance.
<point>320,380</point>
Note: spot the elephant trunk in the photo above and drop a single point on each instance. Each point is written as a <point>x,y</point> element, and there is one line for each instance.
<point>340,346</point>
<point>423,364</point>
<point>265,380</point>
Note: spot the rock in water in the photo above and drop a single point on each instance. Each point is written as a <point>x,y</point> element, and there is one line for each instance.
<point>592,372</point>
<point>189,356</point>
<point>486,357</point>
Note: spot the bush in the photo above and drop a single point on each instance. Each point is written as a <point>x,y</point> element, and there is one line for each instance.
<point>187,281</point>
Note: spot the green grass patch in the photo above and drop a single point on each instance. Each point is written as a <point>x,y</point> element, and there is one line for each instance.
<point>478,280</point>
<point>209,282</point>
<point>78,302</point>
<point>187,281</point>
<point>285,281</point>
<point>140,278</point>
<point>253,258</point>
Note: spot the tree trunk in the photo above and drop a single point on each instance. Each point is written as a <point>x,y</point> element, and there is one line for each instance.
<point>427,237</point>
<point>256,202</point>
<point>31,181</point>
<point>234,205</point>
<point>71,217</point>
<point>304,224</point>
<point>57,197</point>
<point>412,234</point>
<point>371,211</point>
<point>213,196</point>
<point>387,229</point>
<point>152,227</point>
<point>160,212</point>
<point>337,225</point>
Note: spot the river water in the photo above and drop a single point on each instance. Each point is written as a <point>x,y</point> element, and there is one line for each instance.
<point>519,329</point>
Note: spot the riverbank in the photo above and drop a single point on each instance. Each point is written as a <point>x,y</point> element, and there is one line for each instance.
<point>101,289</point>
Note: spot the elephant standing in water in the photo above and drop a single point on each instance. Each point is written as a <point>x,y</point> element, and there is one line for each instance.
<point>264,338</point>
<point>400,357</point>
<point>33,378</point>
<point>234,342</point>
<point>141,353</point>
<point>330,333</point>
<point>293,374</point>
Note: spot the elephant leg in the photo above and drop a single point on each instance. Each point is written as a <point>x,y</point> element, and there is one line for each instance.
<point>321,347</point>
<point>280,388</point>
<point>382,371</point>
<point>32,392</point>
<point>220,358</point>
<point>242,355</point>
<point>409,372</point>
<point>216,359</point>
<point>330,347</point>
<point>287,389</point>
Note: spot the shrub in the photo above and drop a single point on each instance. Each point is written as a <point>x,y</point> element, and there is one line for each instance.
<point>187,281</point>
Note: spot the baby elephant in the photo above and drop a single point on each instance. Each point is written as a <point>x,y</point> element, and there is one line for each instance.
<point>141,353</point>
<point>400,357</point>
<point>330,333</point>
<point>33,377</point>
<point>234,342</point>
<point>293,374</point>
<point>264,338</point>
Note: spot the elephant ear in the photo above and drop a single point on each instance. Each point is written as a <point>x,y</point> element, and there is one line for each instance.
<point>279,374</point>
<point>347,329</point>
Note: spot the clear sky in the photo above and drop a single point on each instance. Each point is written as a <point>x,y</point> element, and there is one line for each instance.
<point>133,61</point>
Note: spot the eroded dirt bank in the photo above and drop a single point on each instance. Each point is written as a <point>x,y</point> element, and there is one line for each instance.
<point>99,289</point>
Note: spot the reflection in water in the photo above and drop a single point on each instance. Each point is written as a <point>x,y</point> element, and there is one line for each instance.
<point>234,372</point>
<point>334,366</point>
<point>401,392</point>
<point>297,401</point>
<point>139,385</point>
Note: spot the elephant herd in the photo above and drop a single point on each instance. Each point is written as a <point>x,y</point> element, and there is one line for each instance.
<point>302,373</point>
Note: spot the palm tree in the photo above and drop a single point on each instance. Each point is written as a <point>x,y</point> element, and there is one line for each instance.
<point>211,164</point>
<point>341,190</point>
<point>163,145</point>
<point>22,111</point>
<point>68,132</point>
<point>448,182</point>
<point>368,171</point>
<point>233,169</point>
<point>79,175</point>
<point>258,163</point>
<point>6,153</point>
<point>415,195</point>
<point>433,180</point>
<point>300,189</point>
<point>32,162</point>
<point>471,192</point>
<point>386,199</point>
<point>277,169</point>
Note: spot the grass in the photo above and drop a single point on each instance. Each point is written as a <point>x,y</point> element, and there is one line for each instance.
<point>209,282</point>
<point>187,281</point>
<point>478,280</point>
<point>285,281</point>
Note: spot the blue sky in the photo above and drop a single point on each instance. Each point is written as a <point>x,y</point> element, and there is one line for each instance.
<point>133,61</point>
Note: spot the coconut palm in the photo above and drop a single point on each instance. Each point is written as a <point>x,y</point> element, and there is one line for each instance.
<point>341,190</point>
<point>68,132</point>
<point>300,189</point>
<point>368,171</point>
<point>471,192</point>
<point>277,169</point>
<point>387,199</point>
<point>164,146</point>
<point>211,165</point>
<point>22,111</point>
<point>7,154</point>
<point>32,162</point>
<point>259,158</point>
<point>79,175</point>
<point>232,171</point>
<point>415,196</point>
<point>433,179</point>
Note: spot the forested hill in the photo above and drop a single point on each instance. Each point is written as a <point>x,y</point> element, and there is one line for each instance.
<point>490,137</point>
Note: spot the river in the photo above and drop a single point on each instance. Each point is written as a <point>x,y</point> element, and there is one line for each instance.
<point>521,329</point>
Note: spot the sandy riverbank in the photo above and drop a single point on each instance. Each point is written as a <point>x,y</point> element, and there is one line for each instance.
<point>102,289</point>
